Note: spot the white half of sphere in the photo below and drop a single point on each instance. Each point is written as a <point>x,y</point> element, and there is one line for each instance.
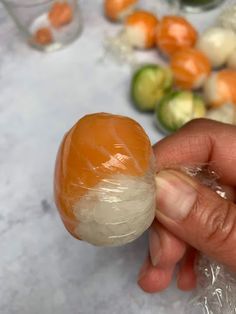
<point>135,36</point>
<point>126,12</point>
<point>117,210</point>
<point>217,44</point>
<point>225,114</point>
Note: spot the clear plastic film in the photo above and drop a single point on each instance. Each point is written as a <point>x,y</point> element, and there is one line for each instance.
<point>216,289</point>
<point>106,194</point>
<point>123,207</point>
<point>227,17</point>
<point>105,180</point>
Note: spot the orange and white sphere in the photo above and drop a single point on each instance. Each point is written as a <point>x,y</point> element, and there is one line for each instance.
<point>118,10</point>
<point>140,29</point>
<point>190,68</point>
<point>220,88</point>
<point>173,33</point>
<point>60,14</point>
<point>104,180</point>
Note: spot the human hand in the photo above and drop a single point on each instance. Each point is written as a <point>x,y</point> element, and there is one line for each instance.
<point>190,216</point>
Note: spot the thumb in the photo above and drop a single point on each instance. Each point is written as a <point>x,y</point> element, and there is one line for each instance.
<point>197,215</point>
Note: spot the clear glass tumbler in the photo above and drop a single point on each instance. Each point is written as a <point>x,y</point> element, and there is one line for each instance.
<point>193,6</point>
<point>46,25</point>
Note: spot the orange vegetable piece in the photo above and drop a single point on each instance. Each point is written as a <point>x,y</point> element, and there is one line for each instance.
<point>190,68</point>
<point>220,88</point>
<point>116,9</point>
<point>43,36</point>
<point>173,33</point>
<point>97,147</point>
<point>60,14</point>
<point>142,25</point>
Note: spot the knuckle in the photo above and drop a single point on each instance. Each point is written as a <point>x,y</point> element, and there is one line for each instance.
<point>197,123</point>
<point>202,122</point>
<point>219,226</point>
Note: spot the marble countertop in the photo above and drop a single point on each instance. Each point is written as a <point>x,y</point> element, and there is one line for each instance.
<point>42,268</point>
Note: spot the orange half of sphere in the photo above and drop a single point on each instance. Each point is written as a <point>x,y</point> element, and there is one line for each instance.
<point>190,68</point>
<point>114,9</point>
<point>173,33</point>
<point>142,25</point>
<point>60,14</point>
<point>97,147</point>
<point>221,88</point>
<point>43,36</point>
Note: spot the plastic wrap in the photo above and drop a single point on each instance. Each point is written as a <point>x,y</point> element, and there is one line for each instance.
<point>105,180</point>
<point>216,290</point>
<point>227,18</point>
<point>105,192</point>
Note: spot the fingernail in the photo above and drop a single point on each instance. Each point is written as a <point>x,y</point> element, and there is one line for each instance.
<point>154,247</point>
<point>143,270</point>
<point>176,194</point>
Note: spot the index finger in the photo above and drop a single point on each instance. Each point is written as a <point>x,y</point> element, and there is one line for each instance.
<point>201,141</point>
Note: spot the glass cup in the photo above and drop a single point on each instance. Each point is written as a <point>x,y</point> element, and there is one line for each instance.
<point>195,6</point>
<point>47,25</point>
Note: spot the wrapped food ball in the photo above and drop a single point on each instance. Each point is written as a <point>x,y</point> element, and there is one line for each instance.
<point>190,68</point>
<point>149,84</point>
<point>173,33</point>
<point>220,88</point>
<point>225,114</point>
<point>60,14</point>
<point>178,108</point>
<point>117,10</point>
<point>231,62</point>
<point>104,180</point>
<point>217,44</point>
<point>140,29</point>
<point>43,36</point>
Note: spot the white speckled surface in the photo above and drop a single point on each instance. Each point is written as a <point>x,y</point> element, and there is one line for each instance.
<point>42,268</point>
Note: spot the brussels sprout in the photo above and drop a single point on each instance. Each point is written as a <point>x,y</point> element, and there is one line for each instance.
<point>149,84</point>
<point>177,108</point>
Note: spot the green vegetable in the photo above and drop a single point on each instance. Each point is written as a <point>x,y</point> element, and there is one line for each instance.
<point>177,108</point>
<point>149,84</point>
